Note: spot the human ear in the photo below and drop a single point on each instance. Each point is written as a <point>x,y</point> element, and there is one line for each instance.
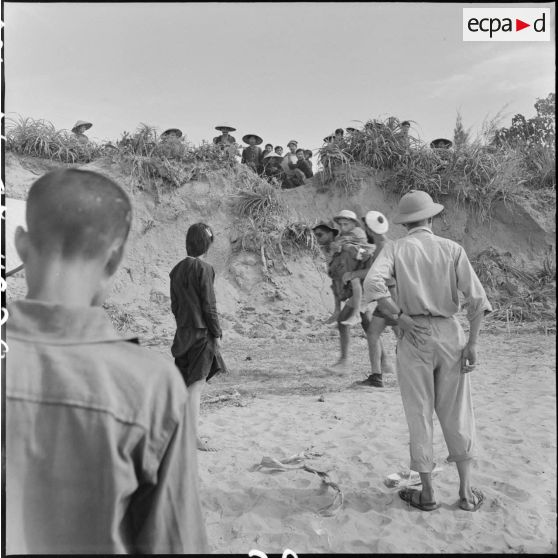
<point>116,254</point>
<point>22,243</point>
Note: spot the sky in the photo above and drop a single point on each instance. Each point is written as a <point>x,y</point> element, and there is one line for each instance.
<point>280,70</point>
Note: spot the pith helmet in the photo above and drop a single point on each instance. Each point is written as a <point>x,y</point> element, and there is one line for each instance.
<point>416,206</point>
<point>376,222</point>
<point>346,214</point>
<point>82,123</point>
<point>292,141</point>
<point>326,225</point>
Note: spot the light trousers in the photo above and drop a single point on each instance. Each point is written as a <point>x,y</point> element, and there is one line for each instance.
<point>430,379</point>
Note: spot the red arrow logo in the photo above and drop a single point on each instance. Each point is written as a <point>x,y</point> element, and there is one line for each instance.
<point>519,25</point>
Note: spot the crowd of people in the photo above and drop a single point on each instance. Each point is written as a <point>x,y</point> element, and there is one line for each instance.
<point>288,170</point>
<point>101,433</point>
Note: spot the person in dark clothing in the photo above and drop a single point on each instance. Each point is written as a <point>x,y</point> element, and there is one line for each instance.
<point>196,345</point>
<point>225,139</point>
<point>302,170</point>
<point>252,155</point>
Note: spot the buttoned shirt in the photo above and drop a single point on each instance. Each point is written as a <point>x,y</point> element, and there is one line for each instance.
<point>100,448</point>
<point>429,271</point>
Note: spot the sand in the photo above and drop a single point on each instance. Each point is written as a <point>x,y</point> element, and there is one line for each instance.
<point>362,437</point>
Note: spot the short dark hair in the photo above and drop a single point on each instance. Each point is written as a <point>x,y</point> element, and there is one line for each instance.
<point>300,150</point>
<point>269,145</point>
<point>339,131</point>
<point>198,239</point>
<point>405,123</point>
<point>324,228</point>
<point>77,213</point>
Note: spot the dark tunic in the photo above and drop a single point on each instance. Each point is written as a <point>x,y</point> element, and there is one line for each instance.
<point>252,156</point>
<point>224,140</point>
<point>195,310</point>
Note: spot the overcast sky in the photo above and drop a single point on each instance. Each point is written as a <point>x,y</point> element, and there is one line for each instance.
<point>283,71</point>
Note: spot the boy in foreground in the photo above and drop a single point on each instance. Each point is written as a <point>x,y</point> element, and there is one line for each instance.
<point>100,449</point>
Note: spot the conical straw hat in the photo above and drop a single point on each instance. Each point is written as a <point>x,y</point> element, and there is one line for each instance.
<point>82,123</point>
<point>225,127</point>
<point>258,139</point>
<point>167,132</point>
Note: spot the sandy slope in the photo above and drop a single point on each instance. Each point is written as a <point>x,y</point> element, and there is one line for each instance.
<point>362,436</point>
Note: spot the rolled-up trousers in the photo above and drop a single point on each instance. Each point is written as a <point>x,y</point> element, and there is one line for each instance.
<point>430,379</point>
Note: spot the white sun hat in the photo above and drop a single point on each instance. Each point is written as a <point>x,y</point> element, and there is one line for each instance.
<point>376,222</point>
<point>346,214</point>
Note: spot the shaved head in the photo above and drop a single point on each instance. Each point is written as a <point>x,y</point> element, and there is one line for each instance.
<point>77,214</point>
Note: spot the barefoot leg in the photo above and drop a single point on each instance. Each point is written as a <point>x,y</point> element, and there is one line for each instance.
<point>194,396</point>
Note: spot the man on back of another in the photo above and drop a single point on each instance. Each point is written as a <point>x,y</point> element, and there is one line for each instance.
<point>100,452</point>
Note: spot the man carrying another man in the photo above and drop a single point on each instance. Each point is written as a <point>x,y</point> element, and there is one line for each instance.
<point>339,262</point>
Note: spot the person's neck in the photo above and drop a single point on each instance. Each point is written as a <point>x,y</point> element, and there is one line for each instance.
<point>69,284</point>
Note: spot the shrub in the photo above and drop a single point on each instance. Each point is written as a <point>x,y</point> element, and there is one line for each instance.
<point>299,236</point>
<point>260,204</point>
<point>40,138</point>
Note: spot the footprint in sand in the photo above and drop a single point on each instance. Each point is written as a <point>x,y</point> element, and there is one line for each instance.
<point>511,491</point>
<point>514,441</point>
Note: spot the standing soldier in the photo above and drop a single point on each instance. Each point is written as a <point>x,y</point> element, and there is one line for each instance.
<point>433,355</point>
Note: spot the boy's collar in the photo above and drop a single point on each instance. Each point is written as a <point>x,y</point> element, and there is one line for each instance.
<point>43,322</point>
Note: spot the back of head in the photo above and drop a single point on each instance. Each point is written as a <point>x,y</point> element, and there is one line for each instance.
<point>198,239</point>
<point>77,214</point>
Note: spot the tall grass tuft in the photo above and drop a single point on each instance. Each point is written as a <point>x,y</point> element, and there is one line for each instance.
<point>40,138</point>
<point>299,236</point>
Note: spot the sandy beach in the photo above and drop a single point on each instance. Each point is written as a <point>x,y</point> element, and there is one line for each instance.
<point>280,408</point>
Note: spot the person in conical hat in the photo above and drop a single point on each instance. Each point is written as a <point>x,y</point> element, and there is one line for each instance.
<point>79,128</point>
<point>171,144</point>
<point>441,143</point>
<point>252,155</point>
<point>434,355</point>
<point>172,133</point>
<point>272,165</point>
<point>225,139</point>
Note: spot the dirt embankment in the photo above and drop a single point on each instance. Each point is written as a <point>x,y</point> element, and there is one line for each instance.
<point>250,304</point>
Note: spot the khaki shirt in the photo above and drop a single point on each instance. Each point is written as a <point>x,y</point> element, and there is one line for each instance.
<point>429,271</point>
<point>100,450</point>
